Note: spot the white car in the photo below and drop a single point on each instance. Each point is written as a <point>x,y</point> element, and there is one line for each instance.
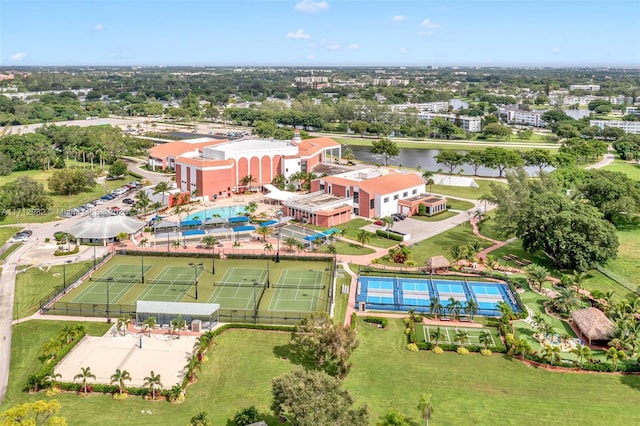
<point>98,201</point>
<point>19,239</point>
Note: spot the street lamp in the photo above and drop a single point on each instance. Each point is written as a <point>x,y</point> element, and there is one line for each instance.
<point>213,259</point>
<point>279,214</point>
<point>109,281</point>
<point>64,276</point>
<point>195,267</point>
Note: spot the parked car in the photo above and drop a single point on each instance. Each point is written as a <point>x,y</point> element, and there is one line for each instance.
<point>99,201</point>
<point>107,197</point>
<point>19,239</point>
<point>379,223</point>
<point>26,232</point>
<point>128,201</point>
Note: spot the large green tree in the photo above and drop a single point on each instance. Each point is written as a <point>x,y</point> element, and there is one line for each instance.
<point>501,159</point>
<point>71,181</point>
<point>385,147</point>
<point>450,159</point>
<point>311,398</point>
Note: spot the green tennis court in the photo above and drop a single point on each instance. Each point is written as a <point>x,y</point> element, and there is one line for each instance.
<point>471,335</point>
<point>300,291</point>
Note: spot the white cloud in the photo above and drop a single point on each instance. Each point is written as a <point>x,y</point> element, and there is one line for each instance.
<point>398,18</point>
<point>98,27</point>
<point>555,50</point>
<point>298,35</point>
<point>332,46</point>
<point>404,50</point>
<point>427,23</point>
<point>19,56</point>
<point>425,33</point>
<point>311,6</point>
<point>353,46</point>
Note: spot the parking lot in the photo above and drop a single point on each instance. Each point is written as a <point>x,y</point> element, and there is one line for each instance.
<point>114,203</point>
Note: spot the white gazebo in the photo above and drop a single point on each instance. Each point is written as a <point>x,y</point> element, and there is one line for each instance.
<point>105,229</point>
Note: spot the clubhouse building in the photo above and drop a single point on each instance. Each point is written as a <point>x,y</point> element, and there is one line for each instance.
<point>222,168</point>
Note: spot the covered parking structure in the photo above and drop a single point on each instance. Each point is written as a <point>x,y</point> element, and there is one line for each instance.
<point>204,315</point>
<point>105,229</point>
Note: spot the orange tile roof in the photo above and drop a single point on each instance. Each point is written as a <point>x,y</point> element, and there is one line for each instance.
<point>315,145</point>
<point>175,149</point>
<point>392,182</point>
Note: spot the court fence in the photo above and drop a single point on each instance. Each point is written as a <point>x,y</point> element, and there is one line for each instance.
<point>95,310</point>
<point>261,316</point>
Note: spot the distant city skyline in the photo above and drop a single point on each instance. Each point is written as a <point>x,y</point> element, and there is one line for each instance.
<point>318,33</point>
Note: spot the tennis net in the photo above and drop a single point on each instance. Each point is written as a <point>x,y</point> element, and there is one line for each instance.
<point>126,280</point>
<point>300,286</point>
<point>238,284</point>
<point>171,282</point>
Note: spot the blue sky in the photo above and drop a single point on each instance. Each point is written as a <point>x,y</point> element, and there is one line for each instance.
<point>320,32</point>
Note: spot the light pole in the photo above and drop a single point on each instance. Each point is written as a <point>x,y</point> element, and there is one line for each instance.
<point>279,214</point>
<point>64,276</point>
<point>94,255</point>
<point>195,267</point>
<point>213,259</point>
<point>109,281</point>
<point>142,260</point>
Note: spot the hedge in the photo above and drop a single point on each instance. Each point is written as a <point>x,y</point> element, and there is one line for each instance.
<point>389,235</point>
<point>66,253</point>
<point>282,257</point>
<point>376,320</point>
<point>354,320</point>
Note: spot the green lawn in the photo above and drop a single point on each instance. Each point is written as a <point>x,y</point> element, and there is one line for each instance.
<point>352,228</point>
<point>13,247</point>
<point>452,203</point>
<point>489,228</point>
<point>630,169</point>
<point>436,218</point>
<point>483,390</point>
<point>349,248</point>
<point>627,264</point>
<point>35,284</point>
<point>342,300</point>
<point>439,245</point>
<point>7,232</point>
<point>465,191</point>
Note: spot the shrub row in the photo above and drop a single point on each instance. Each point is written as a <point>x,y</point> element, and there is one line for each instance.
<point>354,320</point>
<point>376,320</point>
<point>427,346</point>
<point>389,235</point>
<point>66,253</point>
<point>282,257</point>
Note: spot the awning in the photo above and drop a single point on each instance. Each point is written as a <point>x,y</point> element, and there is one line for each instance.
<point>190,232</point>
<point>238,219</point>
<point>191,223</point>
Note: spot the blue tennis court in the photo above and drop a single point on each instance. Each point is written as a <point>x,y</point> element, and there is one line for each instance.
<point>422,286</point>
<point>449,288</point>
<point>380,300</point>
<point>416,302</point>
<point>378,284</point>
<point>488,305</point>
<point>483,289</point>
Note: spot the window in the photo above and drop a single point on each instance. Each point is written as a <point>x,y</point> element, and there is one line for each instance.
<point>386,200</point>
<point>404,194</point>
<point>322,187</point>
<point>415,191</point>
<point>371,204</point>
<point>348,193</point>
<point>395,197</point>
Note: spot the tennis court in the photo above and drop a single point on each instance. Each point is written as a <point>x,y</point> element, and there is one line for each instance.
<point>415,292</point>
<point>240,288</point>
<point>300,291</point>
<point>471,335</point>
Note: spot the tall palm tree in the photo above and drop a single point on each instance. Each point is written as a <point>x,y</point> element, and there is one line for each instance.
<point>428,178</point>
<point>453,307</point>
<point>67,334</point>
<point>251,208</point>
<point>522,347</point>
<point>52,379</point>
<point>178,324</point>
<point>162,188</point>
<point>152,381</point>
<point>91,156</point>
<point>485,339</point>
<point>461,337</point>
<point>436,335</point>
<point>149,324</point>
<point>435,307</point>
<point>551,354</point>
<point>363,237</point>
<point>425,407</point>
<point>119,377</point>
<point>566,300</point>
<point>536,274</point>
<point>246,180</point>
<point>142,201</point>
<point>51,348</point>
<point>471,308</point>
<point>123,324</point>
<point>456,252</point>
<point>193,365</point>
<point>578,278</point>
<point>614,355</point>
<point>582,352</point>
<point>388,221</point>
<point>264,231</point>
<point>84,375</point>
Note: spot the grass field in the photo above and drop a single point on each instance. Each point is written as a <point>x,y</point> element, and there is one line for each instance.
<point>439,245</point>
<point>436,218</point>
<point>449,144</point>
<point>464,191</point>
<point>489,228</point>
<point>455,204</point>
<point>232,286</point>
<point>7,232</point>
<point>348,248</point>
<point>352,228</point>
<point>241,367</point>
<point>630,169</point>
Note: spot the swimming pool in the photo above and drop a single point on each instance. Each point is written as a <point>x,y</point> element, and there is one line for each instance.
<point>223,212</point>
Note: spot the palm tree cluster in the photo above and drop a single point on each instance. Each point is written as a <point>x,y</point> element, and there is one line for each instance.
<point>566,301</point>
<point>626,333</point>
<point>51,349</point>
<point>468,252</point>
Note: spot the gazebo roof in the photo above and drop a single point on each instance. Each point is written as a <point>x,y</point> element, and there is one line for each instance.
<point>593,323</point>
<point>438,262</point>
<point>103,227</point>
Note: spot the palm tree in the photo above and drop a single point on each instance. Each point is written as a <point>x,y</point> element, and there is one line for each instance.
<point>388,221</point>
<point>51,348</point>
<point>268,247</point>
<point>363,237</point>
<point>149,324</point>
<point>251,208</point>
<point>456,252</point>
<point>453,307</point>
<point>176,244</point>
<point>522,347</point>
<point>178,324</point>
<point>551,354</point>
<point>119,377</point>
<point>290,243</point>
<point>473,248</point>
<point>209,241</point>
<point>91,156</point>
<point>425,407</point>
<point>142,201</point>
<point>614,355</point>
<point>428,178</point>
<point>175,392</point>
<point>536,274</point>
<point>52,379</point>
<point>566,300</point>
<point>85,375</point>
<point>152,381</point>
<point>436,335</point>
<point>246,181</point>
<point>161,188</point>
<point>581,352</point>
<point>471,308</point>
<point>123,324</point>
<point>193,365</point>
<point>435,307</point>
<point>264,231</point>
<point>485,339</point>
<point>461,337</point>
<point>67,334</point>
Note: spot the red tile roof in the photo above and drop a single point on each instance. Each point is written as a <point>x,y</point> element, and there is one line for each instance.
<point>175,149</point>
